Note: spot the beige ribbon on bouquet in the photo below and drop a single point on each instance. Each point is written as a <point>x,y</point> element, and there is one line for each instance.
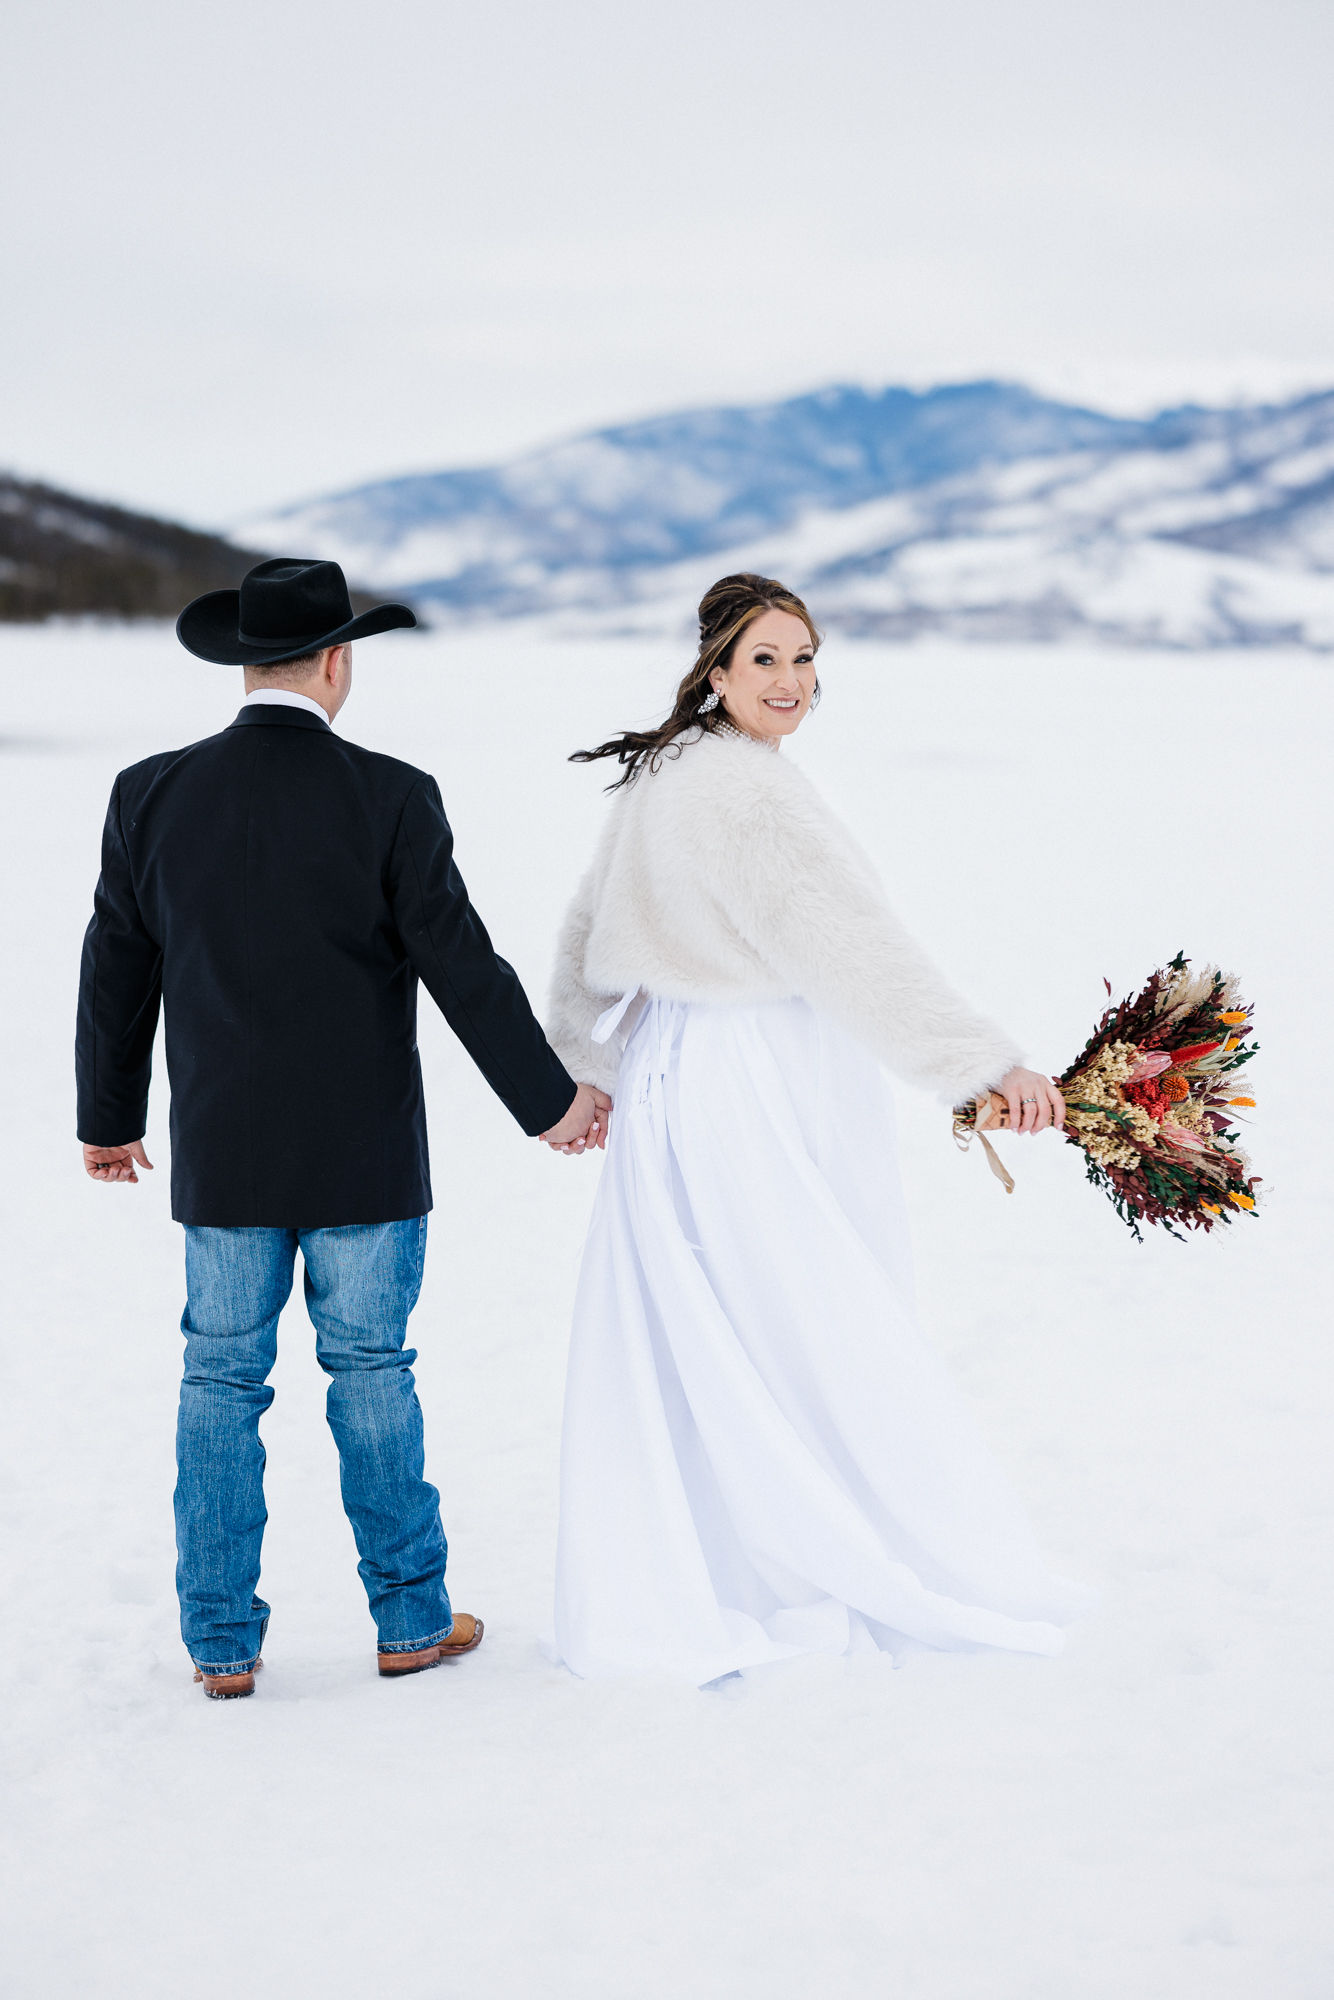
<point>968,1125</point>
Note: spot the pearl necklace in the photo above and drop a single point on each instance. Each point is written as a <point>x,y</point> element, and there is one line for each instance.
<point>744,736</point>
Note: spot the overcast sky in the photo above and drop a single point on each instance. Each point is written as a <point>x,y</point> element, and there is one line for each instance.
<point>262,250</point>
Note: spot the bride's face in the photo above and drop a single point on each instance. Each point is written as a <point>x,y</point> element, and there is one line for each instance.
<point>767,688</point>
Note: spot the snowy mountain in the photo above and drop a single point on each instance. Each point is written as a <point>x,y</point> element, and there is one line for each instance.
<point>978,509</point>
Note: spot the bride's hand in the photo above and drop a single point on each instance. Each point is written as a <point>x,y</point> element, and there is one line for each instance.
<point>584,1125</point>
<point>1032,1101</point>
<point>601,1125</point>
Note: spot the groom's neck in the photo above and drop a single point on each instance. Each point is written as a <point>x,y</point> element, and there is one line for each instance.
<point>327,682</point>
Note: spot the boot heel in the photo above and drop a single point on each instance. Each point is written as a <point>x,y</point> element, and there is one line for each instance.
<point>228,1687</point>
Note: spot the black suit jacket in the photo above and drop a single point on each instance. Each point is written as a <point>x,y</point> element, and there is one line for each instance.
<point>281,891</point>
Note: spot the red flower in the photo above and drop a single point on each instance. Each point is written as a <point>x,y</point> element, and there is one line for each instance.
<point>1196,1050</point>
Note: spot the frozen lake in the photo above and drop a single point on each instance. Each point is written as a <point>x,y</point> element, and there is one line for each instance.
<point>1148,1815</point>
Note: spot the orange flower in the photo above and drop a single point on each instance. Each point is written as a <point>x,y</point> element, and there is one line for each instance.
<point>1175,1087</point>
<point>1232,1042</point>
<point>1210,1208</point>
<point>1243,1100</point>
<point>1242,1200</point>
<point>1233,1020</point>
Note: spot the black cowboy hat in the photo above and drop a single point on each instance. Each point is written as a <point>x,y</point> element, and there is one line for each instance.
<point>284,609</point>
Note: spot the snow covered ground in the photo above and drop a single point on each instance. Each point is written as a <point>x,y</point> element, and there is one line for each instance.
<point>1147,1816</point>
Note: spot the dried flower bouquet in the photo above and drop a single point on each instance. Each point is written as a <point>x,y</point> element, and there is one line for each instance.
<point>1152,1103</point>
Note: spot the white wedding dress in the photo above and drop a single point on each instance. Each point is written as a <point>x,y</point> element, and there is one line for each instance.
<point>762,1456</point>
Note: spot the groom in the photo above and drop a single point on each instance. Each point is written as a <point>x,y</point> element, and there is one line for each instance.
<point>280,892</point>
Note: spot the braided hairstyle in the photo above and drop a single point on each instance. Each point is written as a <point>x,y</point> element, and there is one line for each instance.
<point>724,613</point>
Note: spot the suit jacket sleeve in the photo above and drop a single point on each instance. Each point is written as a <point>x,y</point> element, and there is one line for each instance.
<point>477,992</point>
<point>120,995</point>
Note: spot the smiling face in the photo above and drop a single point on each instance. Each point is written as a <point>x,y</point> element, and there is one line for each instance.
<point>766,689</point>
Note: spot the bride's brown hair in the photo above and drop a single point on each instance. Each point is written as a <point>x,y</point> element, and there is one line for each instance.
<point>724,613</point>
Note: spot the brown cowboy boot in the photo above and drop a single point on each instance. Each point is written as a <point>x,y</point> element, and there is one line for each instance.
<point>228,1687</point>
<point>464,1637</point>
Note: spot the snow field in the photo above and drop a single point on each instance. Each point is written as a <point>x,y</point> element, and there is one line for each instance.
<point>1147,1815</point>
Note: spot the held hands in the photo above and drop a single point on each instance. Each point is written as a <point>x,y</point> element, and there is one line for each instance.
<point>115,1163</point>
<point>1024,1102</point>
<point>584,1125</point>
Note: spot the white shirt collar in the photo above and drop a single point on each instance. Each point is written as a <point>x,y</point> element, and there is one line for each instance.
<point>286,698</point>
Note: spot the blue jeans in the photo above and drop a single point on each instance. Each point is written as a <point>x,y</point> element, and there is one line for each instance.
<point>361,1285</point>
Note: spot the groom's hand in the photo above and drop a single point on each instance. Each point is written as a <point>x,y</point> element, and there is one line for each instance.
<point>584,1124</point>
<point>115,1163</point>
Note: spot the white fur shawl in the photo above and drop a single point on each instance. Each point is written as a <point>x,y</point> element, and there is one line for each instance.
<point>723,876</point>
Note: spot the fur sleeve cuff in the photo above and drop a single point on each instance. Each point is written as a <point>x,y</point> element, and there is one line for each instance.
<point>587,1063</point>
<point>981,1072</point>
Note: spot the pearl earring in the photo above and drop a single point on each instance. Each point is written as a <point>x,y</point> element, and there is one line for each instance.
<point>709,703</point>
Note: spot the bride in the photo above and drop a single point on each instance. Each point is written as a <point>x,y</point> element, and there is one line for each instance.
<point>761,1455</point>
